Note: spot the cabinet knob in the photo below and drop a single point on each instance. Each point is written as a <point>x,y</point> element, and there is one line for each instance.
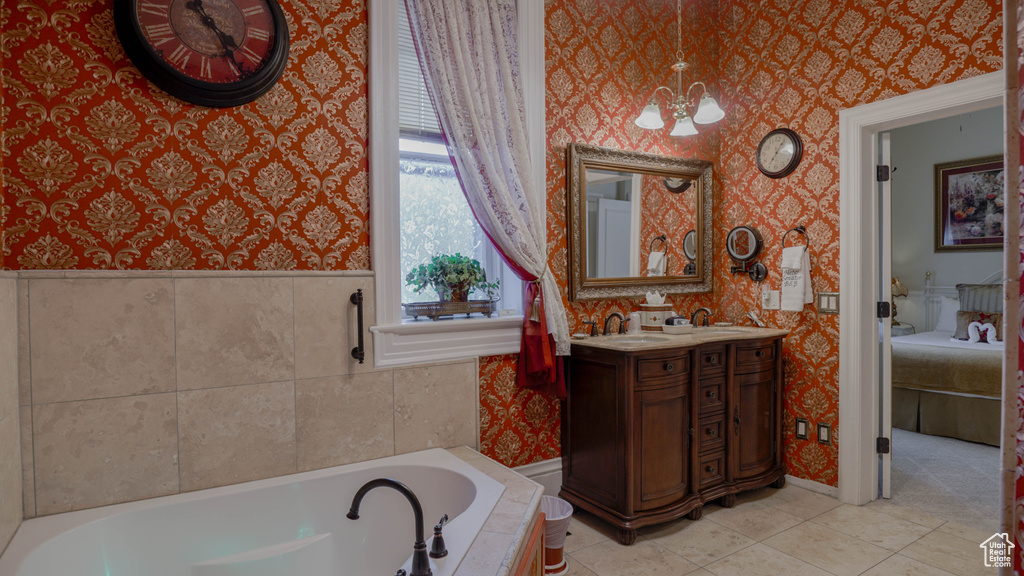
<point>669,367</point>
<point>713,360</point>
<point>759,353</point>
<point>710,431</point>
<point>712,394</point>
<point>710,469</point>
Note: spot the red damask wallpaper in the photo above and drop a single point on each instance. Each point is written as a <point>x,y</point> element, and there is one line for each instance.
<point>771,64</point>
<point>104,171</point>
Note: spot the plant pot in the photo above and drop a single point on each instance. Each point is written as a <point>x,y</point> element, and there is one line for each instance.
<point>458,293</point>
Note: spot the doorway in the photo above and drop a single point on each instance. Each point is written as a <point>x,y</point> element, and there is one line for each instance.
<point>859,383</point>
<point>943,440</point>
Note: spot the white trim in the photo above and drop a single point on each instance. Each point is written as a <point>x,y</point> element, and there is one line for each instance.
<point>858,263</point>
<point>547,473</point>
<point>813,486</point>
<point>395,343</point>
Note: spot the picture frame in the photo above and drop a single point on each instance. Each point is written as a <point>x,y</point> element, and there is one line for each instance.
<point>969,204</point>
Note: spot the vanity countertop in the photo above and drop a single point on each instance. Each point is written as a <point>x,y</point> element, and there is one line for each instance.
<point>645,341</point>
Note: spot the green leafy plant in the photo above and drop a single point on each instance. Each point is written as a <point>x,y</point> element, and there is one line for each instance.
<point>452,276</point>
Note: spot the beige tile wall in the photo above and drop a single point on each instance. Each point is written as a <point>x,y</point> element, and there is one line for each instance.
<point>10,429</point>
<point>140,385</point>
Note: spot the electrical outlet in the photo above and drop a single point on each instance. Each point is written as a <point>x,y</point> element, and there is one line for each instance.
<point>770,300</point>
<point>803,428</point>
<point>824,433</point>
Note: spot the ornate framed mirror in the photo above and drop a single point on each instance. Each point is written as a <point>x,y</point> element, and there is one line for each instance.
<point>635,220</point>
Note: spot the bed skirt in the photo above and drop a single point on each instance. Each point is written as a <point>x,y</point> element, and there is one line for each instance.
<point>967,417</point>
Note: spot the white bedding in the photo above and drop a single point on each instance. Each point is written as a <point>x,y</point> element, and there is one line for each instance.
<point>945,340</point>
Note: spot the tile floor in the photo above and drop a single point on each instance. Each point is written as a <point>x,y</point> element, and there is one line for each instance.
<point>787,532</point>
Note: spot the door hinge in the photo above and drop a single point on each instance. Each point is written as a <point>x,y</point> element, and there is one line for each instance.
<point>882,445</point>
<point>884,309</point>
<point>691,432</point>
<point>882,173</point>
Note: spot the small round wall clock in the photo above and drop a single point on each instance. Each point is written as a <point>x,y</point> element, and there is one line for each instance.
<point>779,153</point>
<point>211,52</point>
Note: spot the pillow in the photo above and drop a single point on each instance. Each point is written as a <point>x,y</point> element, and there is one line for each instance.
<point>987,298</point>
<point>946,322</point>
<point>964,319</point>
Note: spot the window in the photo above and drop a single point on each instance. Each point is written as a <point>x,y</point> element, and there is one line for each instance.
<point>435,217</point>
<point>418,209</point>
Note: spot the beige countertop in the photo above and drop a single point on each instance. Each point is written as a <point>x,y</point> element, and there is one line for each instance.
<point>645,341</point>
<point>497,543</point>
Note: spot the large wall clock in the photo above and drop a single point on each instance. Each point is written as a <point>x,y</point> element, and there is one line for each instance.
<point>779,153</point>
<point>210,52</point>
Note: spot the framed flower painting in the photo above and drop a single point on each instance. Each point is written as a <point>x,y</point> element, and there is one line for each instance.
<point>969,198</point>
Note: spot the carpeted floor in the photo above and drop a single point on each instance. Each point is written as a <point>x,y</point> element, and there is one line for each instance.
<point>948,478</point>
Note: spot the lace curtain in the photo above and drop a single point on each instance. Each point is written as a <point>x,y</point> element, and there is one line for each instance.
<point>469,55</point>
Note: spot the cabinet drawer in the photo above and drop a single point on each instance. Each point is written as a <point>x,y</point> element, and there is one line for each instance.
<point>663,368</point>
<point>754,358</point>
<point>711,395</point>
<point>712,469</point>
<point>712,361</point>
<point>711,433</point>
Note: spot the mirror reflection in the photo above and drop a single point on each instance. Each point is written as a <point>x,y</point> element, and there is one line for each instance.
<point>637,221</point>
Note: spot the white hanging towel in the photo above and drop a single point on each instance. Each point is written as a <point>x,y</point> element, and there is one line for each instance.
<point>656,264</point>
<point>796,279</point>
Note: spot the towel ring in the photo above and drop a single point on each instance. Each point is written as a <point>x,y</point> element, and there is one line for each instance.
<point>799,229</point>
<point>664,240</point>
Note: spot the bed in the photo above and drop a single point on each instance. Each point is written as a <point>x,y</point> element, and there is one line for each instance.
<point>945,386</point>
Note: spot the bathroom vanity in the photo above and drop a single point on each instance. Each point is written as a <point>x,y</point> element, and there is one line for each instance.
<point>654,426</point>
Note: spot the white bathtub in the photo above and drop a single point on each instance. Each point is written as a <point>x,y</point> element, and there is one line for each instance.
<point>292,525</point>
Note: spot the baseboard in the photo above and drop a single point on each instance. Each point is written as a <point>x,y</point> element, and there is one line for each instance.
<point>813,486</point>
<point>547,473</point>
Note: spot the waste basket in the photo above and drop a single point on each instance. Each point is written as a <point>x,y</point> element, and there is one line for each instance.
<point>557,514</point>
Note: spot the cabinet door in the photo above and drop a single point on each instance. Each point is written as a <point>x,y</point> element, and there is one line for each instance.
<point>753,424</point>
<point>662,428</point>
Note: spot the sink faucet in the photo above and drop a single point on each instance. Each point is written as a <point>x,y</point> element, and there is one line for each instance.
<point>707,314</point>
<point>622,323</point>
<point>420,564</point>
<point>593,326</point>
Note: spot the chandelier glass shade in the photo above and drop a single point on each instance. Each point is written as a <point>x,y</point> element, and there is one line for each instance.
<point>705,109</point>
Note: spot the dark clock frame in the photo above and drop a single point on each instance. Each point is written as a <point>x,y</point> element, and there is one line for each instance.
<point>798,153</point>
<point>213,94</point>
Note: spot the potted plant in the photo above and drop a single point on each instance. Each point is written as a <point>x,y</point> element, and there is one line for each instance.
<point>452,276</point>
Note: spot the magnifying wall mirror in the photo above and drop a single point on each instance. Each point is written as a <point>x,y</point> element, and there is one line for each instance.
<point>638,222</point>
<point>744,245</point>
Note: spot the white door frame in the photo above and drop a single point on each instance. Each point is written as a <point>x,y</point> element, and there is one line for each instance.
<point>858,265</point>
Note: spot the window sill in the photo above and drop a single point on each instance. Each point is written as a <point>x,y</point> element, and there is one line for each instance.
<point>419,342</point>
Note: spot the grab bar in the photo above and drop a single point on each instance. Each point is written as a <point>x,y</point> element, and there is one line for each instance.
<point>359,352</point>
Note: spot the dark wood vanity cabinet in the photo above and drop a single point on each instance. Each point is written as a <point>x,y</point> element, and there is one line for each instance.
<point>649,436</point>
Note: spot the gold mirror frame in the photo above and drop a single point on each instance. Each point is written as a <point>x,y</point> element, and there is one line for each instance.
<point>579,158</point>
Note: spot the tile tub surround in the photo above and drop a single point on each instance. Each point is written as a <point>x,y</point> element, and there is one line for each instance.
<point>505,531</point>
<point>10,427</point>
<point>139,384</point>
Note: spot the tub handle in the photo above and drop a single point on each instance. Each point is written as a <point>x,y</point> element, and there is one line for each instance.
<point>359,352</point>
<point>437,548</point>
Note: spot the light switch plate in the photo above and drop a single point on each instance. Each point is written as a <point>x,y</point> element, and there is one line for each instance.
<point>770,300</point>
<point>828,302</point>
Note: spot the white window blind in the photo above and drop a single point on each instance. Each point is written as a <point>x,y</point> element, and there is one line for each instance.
<point>416,116</point>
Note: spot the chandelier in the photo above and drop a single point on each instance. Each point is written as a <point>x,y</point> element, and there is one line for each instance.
<point>679,102</point>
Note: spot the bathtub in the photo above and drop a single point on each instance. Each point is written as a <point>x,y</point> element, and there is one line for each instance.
<point>291,525</point>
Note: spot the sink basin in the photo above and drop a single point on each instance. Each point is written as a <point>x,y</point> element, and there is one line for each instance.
<point>640,340</point>
<point>713,330</point>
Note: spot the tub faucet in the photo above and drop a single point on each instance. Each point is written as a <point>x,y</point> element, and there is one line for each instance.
<point>420,563</point>
<point>622,323</point>
<point>707,314</point>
